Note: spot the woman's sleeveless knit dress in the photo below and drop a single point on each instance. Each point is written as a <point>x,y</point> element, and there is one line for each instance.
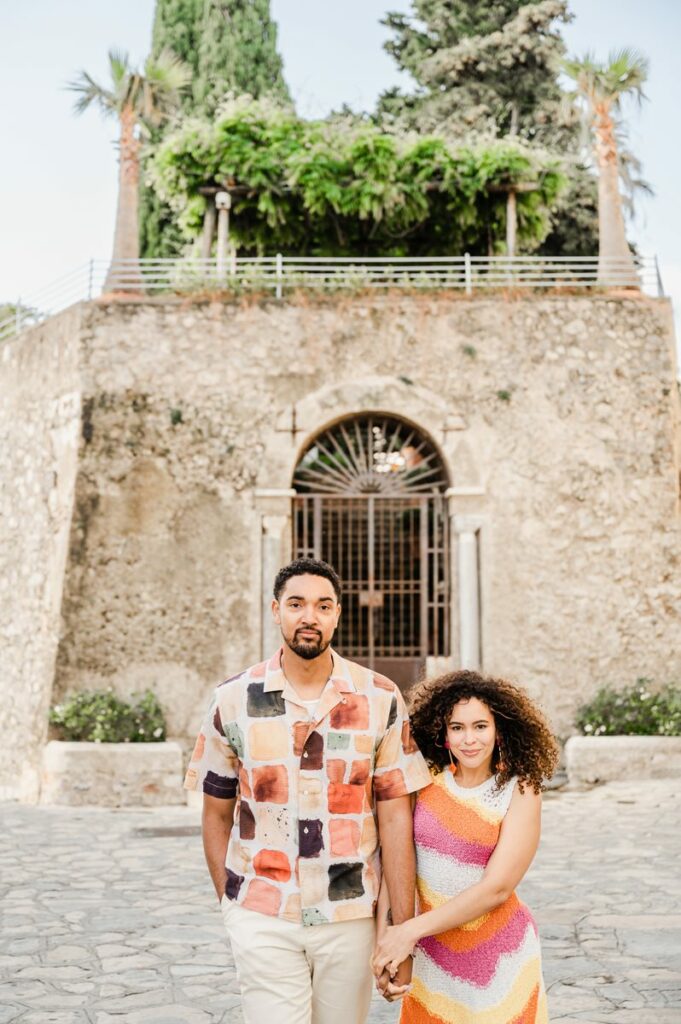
<point>489,970</point>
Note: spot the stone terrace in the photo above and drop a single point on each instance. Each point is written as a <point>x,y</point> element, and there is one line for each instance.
<point>108,916</point>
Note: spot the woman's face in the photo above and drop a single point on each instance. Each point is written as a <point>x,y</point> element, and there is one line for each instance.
<point>471,733</point>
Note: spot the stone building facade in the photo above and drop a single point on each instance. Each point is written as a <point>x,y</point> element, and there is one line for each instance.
<point>148,458</point>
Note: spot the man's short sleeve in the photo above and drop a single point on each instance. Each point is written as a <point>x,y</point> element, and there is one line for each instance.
<point>214,765</point>
<point>400,768</point>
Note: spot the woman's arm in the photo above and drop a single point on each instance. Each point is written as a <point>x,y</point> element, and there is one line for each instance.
<point>518,841</point>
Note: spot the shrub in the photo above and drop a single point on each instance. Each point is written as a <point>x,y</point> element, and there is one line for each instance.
<point>639,710</point>
<point>102,717</point>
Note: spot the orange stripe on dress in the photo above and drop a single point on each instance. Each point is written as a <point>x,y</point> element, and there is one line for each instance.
<point>528,1015</point>
<point>467,823</point>
<point>463,939</point>
<point>414,1012</point>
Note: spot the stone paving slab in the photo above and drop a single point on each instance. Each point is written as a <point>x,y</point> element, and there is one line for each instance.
<point>108,916</point>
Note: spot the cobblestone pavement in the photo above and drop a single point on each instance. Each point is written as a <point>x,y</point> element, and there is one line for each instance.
<point>107,916</point>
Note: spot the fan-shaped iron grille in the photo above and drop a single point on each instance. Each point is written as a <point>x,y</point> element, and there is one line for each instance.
<point>370,501</point>
<point>370,455</point>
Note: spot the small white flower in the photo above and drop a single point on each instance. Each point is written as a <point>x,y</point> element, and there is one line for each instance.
<point>588,728</point>
<point>158,732</point>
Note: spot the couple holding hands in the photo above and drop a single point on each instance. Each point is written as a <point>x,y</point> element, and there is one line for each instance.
<point>350,842</point>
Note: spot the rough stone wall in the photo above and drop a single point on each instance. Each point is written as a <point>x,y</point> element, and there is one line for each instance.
<point>39,428</point>
<point>557,418</point>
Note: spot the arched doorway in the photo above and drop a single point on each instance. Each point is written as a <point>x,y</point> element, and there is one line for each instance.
<point>370,500</point>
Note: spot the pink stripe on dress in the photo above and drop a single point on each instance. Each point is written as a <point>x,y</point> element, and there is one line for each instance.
<point>478,965</point>
<point>432,834</point>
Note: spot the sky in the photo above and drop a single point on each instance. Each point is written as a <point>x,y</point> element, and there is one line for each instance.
<point>58,172</point>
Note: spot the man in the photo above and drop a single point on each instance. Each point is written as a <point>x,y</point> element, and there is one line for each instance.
<point>300,759</point>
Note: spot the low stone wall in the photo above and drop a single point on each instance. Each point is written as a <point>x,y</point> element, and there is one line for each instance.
<point>112,774</point>
<point>592,759</point>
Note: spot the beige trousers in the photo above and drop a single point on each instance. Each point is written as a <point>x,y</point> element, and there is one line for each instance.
<point>290,974</point>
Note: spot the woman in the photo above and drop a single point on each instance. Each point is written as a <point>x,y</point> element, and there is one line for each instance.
<point>476,828</point>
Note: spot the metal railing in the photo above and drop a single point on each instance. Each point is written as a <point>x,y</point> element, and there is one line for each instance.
<point>278,274</point>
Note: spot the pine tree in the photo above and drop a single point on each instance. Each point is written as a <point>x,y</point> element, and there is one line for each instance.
<point>230,45</point>
<point>479,66</point>
<point>485,69</point>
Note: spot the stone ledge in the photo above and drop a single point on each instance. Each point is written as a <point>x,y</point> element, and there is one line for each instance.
<point>592,759</point>
<point>111,774</point>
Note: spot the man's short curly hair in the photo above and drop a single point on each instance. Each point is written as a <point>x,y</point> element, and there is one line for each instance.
<point>529,749</point>
<point>307,567</point>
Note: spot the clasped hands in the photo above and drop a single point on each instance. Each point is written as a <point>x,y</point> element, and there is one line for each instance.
<point>392,960</point>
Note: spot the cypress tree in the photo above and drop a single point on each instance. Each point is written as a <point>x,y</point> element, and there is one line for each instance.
<point>176,27</point>
<point>237,53</point>
<point>231,46</point>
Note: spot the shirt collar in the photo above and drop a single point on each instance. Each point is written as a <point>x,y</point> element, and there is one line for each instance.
<point>341,677</point>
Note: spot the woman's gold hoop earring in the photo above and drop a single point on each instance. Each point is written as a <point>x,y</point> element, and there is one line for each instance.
<point>452,762</point>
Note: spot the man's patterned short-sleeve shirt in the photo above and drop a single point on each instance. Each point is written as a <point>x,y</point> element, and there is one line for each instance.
<point>304,844</point>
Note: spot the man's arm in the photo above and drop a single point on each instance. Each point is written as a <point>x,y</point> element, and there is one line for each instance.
<point>396,833</point>
<point>216,825</point>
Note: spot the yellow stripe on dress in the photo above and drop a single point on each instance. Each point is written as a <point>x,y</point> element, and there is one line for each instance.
<point>510,1007</point>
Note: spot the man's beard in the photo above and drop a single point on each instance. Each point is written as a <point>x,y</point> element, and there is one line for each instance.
<point>307,649</point>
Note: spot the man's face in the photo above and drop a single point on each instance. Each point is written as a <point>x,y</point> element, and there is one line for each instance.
<point>307,613</point>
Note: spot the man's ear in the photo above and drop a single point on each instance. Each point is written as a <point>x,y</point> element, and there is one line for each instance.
<point>275,611</point>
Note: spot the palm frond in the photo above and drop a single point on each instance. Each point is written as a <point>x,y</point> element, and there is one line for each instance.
<point>165,76</point>
<point>91,92</point>
<point>119,65</point>
<point>626,72</point>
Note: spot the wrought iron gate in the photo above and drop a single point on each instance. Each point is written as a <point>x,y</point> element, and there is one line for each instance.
<point>381,521</point>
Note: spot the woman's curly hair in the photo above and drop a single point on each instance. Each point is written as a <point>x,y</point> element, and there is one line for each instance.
<point>529,750</point>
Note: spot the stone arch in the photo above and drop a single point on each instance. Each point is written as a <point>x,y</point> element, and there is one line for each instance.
<point>462,452</point>
<point>297,424</point>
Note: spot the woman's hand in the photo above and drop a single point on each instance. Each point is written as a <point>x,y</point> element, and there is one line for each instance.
<point>394,947</point>
<point>395,988</point>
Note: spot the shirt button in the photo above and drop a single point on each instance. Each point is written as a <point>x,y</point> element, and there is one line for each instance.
<point>305,753</point>
<point>306,830</point>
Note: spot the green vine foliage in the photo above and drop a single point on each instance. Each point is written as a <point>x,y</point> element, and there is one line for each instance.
<point>639,710</point>
<point>344,187</point>
<point>101,717</point>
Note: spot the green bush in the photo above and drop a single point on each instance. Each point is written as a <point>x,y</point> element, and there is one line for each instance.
<point>102,717</point>
<point>344,185</point>
<point>639,710</point>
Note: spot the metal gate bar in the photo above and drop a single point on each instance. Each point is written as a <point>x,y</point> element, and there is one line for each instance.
<point>392,554</point>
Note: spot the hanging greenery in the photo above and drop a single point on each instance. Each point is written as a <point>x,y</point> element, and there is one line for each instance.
<point>346,187</point>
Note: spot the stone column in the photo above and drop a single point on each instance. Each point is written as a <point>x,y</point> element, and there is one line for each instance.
<point>275,550</point>
<point>467,529</point>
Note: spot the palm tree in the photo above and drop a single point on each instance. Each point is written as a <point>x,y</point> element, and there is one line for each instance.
<point>602,88</point>
<point>140,100</point>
